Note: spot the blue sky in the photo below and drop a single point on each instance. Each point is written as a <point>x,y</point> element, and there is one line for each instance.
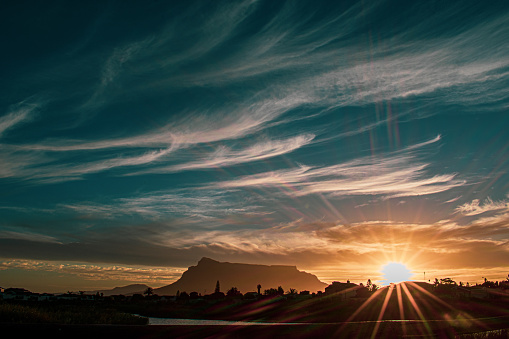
<point>138,137</point>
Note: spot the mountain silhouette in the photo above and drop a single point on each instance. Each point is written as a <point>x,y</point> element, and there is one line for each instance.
<point>202,278</point>
<point>124,290</point>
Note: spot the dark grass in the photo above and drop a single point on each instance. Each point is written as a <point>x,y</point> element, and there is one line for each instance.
<point>44,313</point>
<point>386,330</point>
<point>494,334</point>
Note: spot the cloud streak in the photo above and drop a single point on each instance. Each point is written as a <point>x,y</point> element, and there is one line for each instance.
<point>98,272</point>
<point>393,176</point>
<point>225,156</point>
<point>26,161</point>
<point>21,113</point>
<point>476,207</point>
<point>481,243</point>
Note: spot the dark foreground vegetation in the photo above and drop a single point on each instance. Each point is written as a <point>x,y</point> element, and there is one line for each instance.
<point>328,308</point>
<point>346,310</point>
<point>352,330</point>
<point>64,313</point>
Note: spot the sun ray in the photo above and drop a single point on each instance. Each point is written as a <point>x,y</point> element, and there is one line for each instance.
<point>364,305</point>
<point>416,308</point>
<point>401,309</point>
<point>464,314</point>
<point>382,311</point>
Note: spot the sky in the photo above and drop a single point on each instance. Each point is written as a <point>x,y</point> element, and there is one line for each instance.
<point>338,136</point>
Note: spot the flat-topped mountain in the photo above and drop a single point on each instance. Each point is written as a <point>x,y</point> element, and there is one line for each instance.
<point>202,278</point>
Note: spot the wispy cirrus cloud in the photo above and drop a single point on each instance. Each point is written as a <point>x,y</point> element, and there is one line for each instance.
<point>393,176</point>
<point>401,73</point>
<point>224,156</point>
<point>41,167</point>
<point>193,205</point>
<point>112,69</point>
<point>20,113</point>
<point>458,64</point>
<point>476,207</point>
<point>157,145</point>
<point>31,236</point>
<point>193,127</point>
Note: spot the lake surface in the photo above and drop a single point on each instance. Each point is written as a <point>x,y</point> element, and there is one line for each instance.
<point>197,322</point>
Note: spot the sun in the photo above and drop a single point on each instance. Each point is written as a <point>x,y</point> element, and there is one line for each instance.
<point>395,272</point>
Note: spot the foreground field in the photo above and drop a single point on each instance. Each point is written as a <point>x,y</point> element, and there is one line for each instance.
<point>303,331</point>
<point>64,314</point>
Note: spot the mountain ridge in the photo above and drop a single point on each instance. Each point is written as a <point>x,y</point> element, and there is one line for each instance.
<point>122,290</point>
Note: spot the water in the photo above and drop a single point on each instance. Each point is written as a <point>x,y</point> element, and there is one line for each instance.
<point>203,322</point>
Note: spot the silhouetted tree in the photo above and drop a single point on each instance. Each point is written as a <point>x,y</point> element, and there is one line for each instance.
<point>260,286</point>
<point>280,290</point>
<point>217,290</point>
<point>271,291</point>
<point>292,291</point>
<point>445,287</point>
<point>149,291</point>
<point>233,292</point>
<point>183,296</point>
<point>447,281</point>
<point>489,284</point>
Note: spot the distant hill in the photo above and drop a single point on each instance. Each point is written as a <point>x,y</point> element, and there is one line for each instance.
<point>124,290</point>
<point>202,278</point>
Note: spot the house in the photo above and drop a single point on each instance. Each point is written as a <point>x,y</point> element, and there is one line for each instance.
<point>68,296</point>
<point>345,290</point>
<point>251,295</point>
<point>167,298</point>
<point>504,284</point>
<point>17,294</point>
<point>45,297</point>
